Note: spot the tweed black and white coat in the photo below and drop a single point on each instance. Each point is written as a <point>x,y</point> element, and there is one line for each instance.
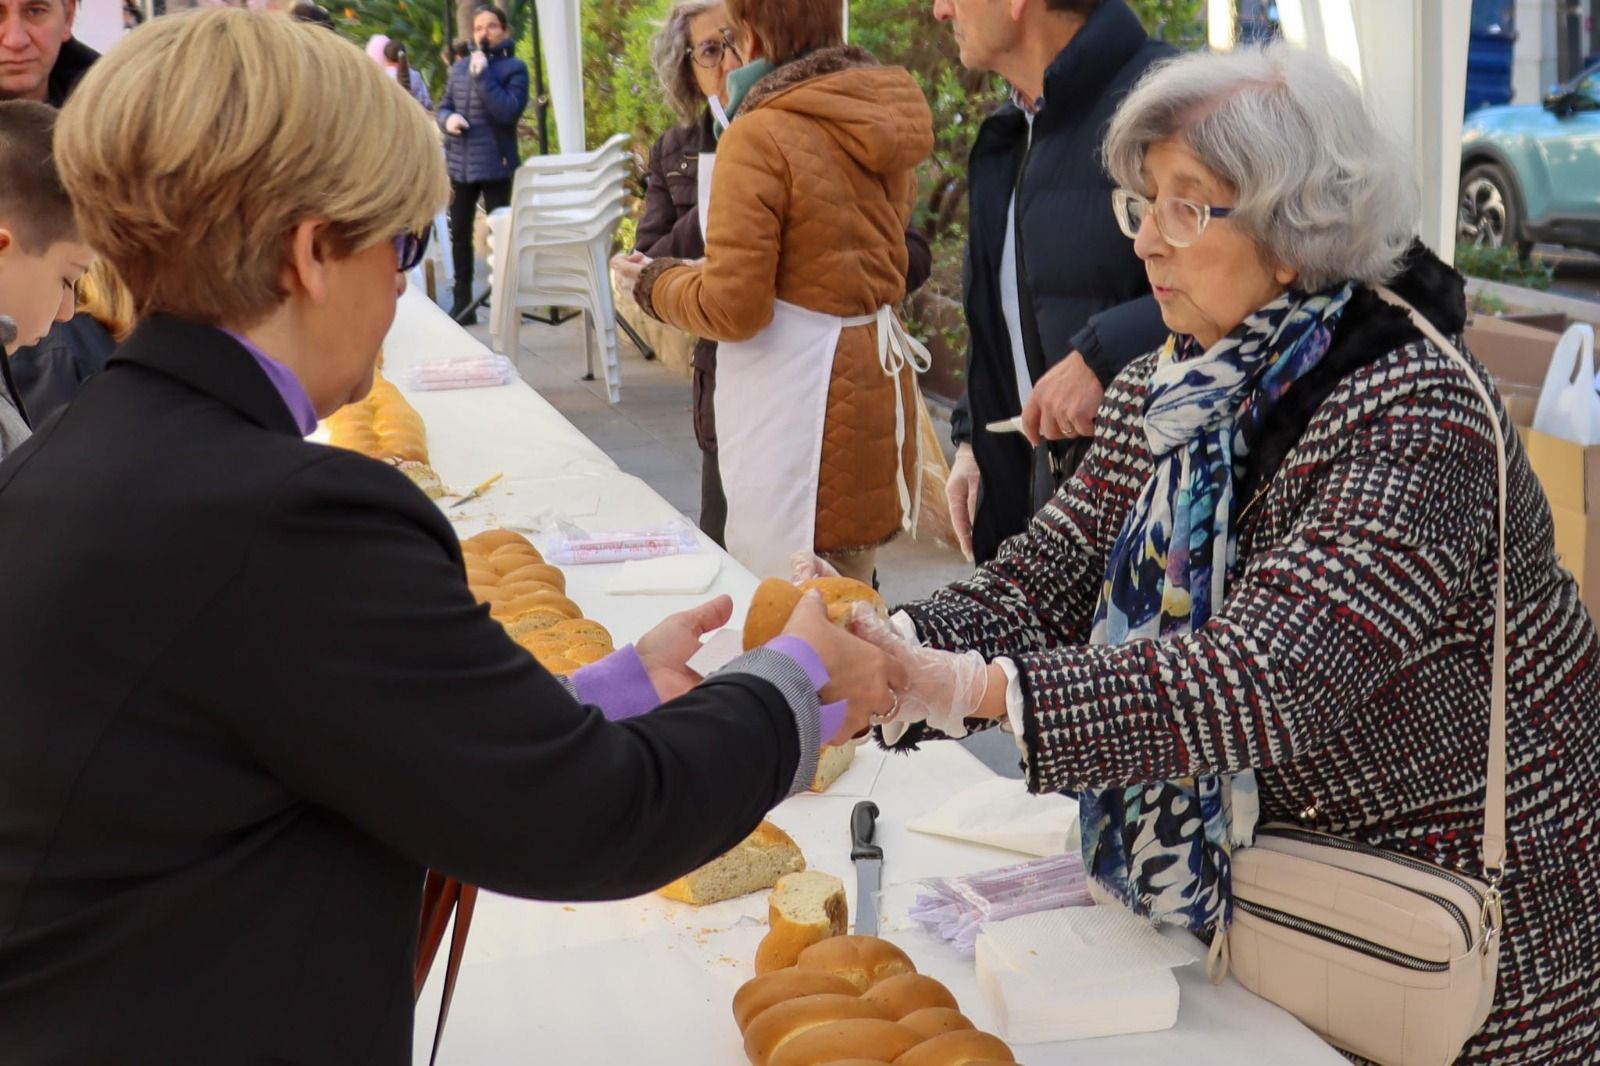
<point>1349,665</point>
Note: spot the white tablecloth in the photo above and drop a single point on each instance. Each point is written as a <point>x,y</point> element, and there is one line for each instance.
<point>648,980</point>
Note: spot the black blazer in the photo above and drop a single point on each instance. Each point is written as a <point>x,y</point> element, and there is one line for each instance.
<point>245,697</point>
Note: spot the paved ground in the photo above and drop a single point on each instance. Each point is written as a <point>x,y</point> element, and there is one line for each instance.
<point>649,434</point>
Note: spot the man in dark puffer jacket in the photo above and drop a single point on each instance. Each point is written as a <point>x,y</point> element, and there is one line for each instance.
<point>482,104</point>
<point>1041,225</point>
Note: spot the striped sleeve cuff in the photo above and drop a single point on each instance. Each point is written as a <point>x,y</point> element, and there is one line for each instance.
<point>790,679</point>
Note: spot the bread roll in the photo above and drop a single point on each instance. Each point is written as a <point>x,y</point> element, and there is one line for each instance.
<point>936,1021</point>
<point>544,572</point>
<point>491,539</point>
<point>759,993</point>
<point>805,908</point>
<point>583,629</point>
<point>841,595</point>
<point>584,652</point>
<point>528,601</point>
<point>899,996</point>
<point>513,557</point>
<point>782,1022</point>
<point>857,1038</point>
<point>532,621</point>
<point>774,601</point>
<point>558,664</point>
<point>965,1047</point>
<point>755,863</point>
<point>861,960</point>
<point>422,475</point>
<point>832,762</point>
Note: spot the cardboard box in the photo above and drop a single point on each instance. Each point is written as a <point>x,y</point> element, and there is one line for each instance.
<point>1517,356</point>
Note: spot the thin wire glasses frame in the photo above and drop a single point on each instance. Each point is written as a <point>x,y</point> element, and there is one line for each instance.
<point>1180,222</point>
<point>708,54</point>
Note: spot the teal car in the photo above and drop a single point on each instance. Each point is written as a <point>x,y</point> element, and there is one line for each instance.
<point>1532,174</point>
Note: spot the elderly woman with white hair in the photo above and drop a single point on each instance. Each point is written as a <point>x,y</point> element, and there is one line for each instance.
<point>1269,592</point>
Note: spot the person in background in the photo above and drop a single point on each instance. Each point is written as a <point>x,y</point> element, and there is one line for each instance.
<point>49,374</point>
<point>39,57</point>
<point>693,55</point>
<point>814,183</point>
<point>316,14</point>
<point>1056,301</point>
<point>41,254</point>
<point>398,63</point>
<point>482,104</point>
<point>213,836</point>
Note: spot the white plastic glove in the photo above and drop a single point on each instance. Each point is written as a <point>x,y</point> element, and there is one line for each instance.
<point>945,687</point>
<point>456,125</point>
<point>478,63</point>
<point>804,566</point>
<point>961,493</point>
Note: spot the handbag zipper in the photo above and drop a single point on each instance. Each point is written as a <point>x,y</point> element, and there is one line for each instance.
<point>1342,939</point>
<point>1415,865</point>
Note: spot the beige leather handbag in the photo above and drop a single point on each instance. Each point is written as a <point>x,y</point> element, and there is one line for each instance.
<point>1383,955</point>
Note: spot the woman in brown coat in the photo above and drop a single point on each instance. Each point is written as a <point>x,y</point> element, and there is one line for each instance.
<point>813,186</point>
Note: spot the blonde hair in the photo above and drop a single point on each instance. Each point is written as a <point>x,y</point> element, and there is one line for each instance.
<point>103,297</point>
<point>260,123</point>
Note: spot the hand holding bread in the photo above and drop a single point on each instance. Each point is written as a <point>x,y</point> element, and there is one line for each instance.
<point>943,688</point>
<point>859,673</point>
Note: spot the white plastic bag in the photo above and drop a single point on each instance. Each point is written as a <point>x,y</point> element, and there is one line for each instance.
<point>1568,406</point>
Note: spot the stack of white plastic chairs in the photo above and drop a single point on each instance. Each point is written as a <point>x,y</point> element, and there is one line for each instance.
<point>552,248</point>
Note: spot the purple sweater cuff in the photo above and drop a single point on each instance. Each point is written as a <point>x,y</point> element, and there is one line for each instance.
<point>830,715</point>
<point>618,685</point>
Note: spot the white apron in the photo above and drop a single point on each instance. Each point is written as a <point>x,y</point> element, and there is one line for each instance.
<point>771,402</point>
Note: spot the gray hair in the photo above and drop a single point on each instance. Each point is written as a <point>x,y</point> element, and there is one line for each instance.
<point>669,54</point>
<point>1322,187</point>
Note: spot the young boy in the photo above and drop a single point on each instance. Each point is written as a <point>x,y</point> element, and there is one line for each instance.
<point>41,257</point>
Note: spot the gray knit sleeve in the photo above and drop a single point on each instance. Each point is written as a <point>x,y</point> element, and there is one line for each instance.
<point>791,681</point>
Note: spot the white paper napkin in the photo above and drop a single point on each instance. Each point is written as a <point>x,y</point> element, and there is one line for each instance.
<point>1078,972</point>
<point>670,575</point>
<point>1003,814</point>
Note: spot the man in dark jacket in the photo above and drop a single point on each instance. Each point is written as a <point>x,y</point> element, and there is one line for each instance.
<point>482,105</point>
<point>39,60</point>
<point>1056,301</point>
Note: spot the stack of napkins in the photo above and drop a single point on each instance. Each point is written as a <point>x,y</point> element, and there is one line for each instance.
<point>1077,973</point>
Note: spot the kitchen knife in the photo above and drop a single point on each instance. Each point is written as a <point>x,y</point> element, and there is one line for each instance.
<point>868,858</point>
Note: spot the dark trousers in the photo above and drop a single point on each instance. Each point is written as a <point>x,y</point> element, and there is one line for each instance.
<point>713,502</point>
<point>463,213</point>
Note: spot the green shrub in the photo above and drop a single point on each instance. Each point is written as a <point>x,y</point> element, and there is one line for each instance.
<point>1504,265</point>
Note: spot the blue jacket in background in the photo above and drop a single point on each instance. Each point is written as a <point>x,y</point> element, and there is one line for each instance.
<point>492,103</point>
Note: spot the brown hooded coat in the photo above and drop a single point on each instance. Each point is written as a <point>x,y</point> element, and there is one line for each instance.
<point>813,189</point>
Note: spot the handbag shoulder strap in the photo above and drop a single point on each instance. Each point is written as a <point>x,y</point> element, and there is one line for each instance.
<point>1494,800</point>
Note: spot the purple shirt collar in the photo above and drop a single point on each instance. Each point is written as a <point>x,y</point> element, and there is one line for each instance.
<point>289,388</point>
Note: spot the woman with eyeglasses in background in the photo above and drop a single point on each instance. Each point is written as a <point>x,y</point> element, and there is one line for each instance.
<point>694,52</point>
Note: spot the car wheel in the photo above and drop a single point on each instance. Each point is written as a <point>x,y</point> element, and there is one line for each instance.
<point>1490,216</point>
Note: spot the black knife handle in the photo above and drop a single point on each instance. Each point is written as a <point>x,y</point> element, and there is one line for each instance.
<point>863,827</point>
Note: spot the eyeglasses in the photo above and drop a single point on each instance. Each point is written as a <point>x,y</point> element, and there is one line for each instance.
<point>1180,222</point>
<point>409,248</point>
<point>709,54</point>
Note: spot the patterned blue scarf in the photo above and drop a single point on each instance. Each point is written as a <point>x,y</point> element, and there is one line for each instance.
<point>1163,848</point>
